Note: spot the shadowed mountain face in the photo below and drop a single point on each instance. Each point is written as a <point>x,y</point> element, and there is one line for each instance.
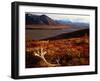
<point>39,19</point>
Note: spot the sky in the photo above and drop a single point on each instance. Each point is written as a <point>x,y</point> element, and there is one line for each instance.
<point>71,17</point>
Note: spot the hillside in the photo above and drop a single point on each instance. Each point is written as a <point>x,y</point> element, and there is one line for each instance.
<point>78,33</point>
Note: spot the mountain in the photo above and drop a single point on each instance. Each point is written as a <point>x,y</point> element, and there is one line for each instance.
<point>74,24</point>
<point>45,20</point>
<point>64,22</point>
<point>39,19</point>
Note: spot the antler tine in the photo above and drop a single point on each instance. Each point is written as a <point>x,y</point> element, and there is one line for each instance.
<point>40,53</point>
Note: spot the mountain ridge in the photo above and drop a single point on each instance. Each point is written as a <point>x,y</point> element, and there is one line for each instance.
<point>39,19</point>
<point>46,20</point>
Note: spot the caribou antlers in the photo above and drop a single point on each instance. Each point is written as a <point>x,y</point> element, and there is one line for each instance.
<point>40,52</point>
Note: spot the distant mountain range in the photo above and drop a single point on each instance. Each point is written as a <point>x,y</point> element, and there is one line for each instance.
<point>45,20</point>
<point>40,27</point>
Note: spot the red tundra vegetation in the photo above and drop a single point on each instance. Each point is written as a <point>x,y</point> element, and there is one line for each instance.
<point>58,52</point>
